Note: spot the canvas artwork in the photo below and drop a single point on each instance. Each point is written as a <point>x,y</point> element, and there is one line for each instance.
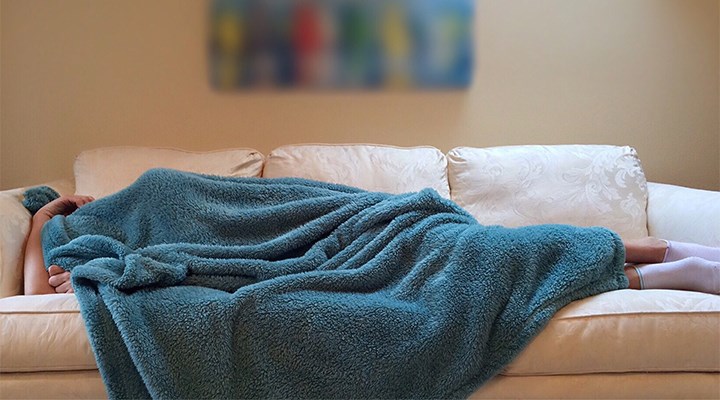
<point>341,43</point>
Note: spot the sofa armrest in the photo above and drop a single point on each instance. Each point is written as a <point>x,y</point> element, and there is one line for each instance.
<point>684,214</point>
<point>14,227</point>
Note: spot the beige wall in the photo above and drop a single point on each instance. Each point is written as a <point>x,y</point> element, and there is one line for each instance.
<point>78,74</point>
<point>1,184</point>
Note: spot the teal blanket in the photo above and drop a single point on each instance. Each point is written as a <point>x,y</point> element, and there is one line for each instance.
<point>196,286</point>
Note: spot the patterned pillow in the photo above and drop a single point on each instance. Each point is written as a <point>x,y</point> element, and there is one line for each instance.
<point>584,185</point>
<point>371,167</point>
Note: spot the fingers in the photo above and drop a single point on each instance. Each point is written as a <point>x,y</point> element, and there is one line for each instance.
<point>80,200</point>
<point>58,277</point>
<point>55,269</point>
<point>66,287</point>
<point>58,280</point>
<point>64,205</point>
<point>74,202</point>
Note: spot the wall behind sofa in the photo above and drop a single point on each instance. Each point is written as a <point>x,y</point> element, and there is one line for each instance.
<point>79,74</point>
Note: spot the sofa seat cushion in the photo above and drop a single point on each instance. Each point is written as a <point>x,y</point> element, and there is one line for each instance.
<point>583,185</point>
<point>43,333</point>
<point>370,167</point>
<point>617,332</point>
<point>104,171</point>
<point>626,331</point>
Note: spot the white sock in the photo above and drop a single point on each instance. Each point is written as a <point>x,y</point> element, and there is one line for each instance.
<point>678,250</point>
<point>692,273</point>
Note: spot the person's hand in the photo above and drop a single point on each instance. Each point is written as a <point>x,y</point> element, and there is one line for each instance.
<point>64,205</point>
<point>60,280</point>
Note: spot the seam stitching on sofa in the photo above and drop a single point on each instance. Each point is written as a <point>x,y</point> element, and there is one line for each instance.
<point>637,313</point>
<point>85,367</point>
<point>41,312</point>
<point>689,370</point>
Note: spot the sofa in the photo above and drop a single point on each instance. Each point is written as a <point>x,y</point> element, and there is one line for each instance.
<point>620,344</point>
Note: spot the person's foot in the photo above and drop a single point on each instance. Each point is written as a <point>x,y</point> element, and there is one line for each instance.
<point>692,273</point>
<point>678,250</point>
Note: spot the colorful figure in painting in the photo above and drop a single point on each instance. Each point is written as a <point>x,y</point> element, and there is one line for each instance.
<point>397,42</point>
<point>307,42</point>
<point>229,46</point>
<point>356,35</point>
<point>262,65</point>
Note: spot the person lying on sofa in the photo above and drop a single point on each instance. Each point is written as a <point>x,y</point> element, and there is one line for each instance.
<point>653,263</point>
<point>205,286</point>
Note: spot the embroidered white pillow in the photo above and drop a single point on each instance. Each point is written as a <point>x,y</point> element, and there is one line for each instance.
<point>584,185</point>
<point>370,167</point>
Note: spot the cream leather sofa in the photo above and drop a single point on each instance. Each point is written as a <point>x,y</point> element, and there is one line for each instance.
<point>622,344</point>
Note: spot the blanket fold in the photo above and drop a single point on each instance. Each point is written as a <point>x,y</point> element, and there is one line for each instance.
<point>195,286</point>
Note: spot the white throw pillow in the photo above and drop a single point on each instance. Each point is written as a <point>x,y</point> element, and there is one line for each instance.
<point>583,185</point>
<point>370,167</point>
<point>101,172</point>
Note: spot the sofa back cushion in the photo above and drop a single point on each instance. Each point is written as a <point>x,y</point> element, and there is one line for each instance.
<point>583,185</point>
<point>101,172</point>
<point>371,167</point>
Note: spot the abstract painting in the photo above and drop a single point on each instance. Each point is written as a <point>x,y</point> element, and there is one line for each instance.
<point>373,44</point>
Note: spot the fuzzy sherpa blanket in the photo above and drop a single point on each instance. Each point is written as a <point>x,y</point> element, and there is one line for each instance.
<point>197,286</point>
